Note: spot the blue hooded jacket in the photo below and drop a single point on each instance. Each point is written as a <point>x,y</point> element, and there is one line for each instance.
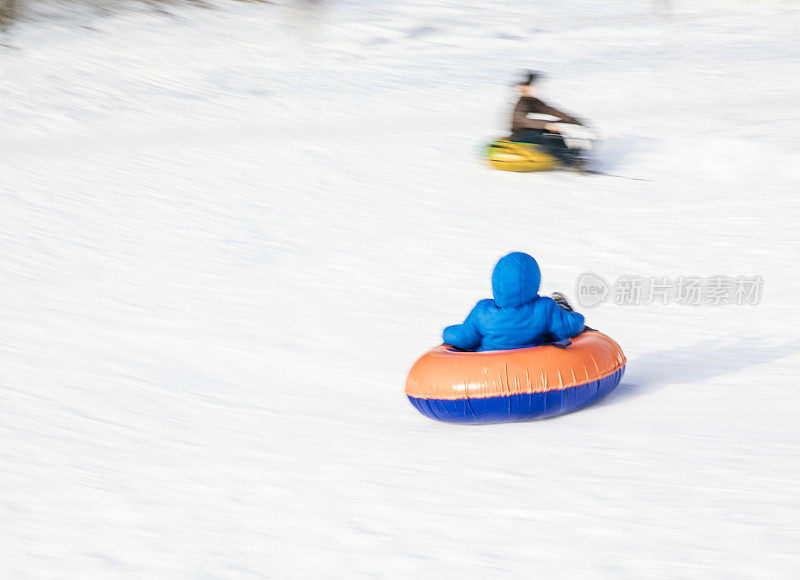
<point>517,317</point>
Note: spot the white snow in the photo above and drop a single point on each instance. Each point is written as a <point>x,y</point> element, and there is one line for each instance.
<point>228,233</point>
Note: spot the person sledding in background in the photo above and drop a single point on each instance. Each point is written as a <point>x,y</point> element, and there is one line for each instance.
<point>538,131</point>
<point>517,317</point>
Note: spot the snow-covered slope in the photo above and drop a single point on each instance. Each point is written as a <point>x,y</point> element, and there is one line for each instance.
<point>227,234</point>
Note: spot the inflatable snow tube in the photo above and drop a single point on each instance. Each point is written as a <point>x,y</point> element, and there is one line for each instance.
<point>502,386</point>
<point>512,156</point>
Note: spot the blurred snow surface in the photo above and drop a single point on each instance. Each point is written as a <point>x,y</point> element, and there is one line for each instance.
<point>227,234</point>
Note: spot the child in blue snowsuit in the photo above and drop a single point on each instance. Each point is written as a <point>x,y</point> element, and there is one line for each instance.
<point>517,317</point>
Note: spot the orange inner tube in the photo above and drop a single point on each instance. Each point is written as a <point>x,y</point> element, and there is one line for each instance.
<point>445,373</point>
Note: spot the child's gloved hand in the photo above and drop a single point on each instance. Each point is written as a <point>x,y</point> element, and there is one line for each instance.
<point>561,300</point>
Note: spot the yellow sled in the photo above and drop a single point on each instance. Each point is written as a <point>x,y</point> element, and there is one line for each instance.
<point>510,156</point>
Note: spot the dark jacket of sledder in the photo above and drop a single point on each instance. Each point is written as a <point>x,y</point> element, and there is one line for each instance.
<point>517,317</point>
<point>528,105</point>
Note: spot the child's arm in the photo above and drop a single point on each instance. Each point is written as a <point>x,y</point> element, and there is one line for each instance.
<point>563,324</point>
<point>466,335</point>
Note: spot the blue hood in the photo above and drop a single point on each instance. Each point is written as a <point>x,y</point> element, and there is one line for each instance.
<point>515,280</point>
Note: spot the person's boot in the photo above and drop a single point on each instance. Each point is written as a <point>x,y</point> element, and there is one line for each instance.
<point>580,165</point>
